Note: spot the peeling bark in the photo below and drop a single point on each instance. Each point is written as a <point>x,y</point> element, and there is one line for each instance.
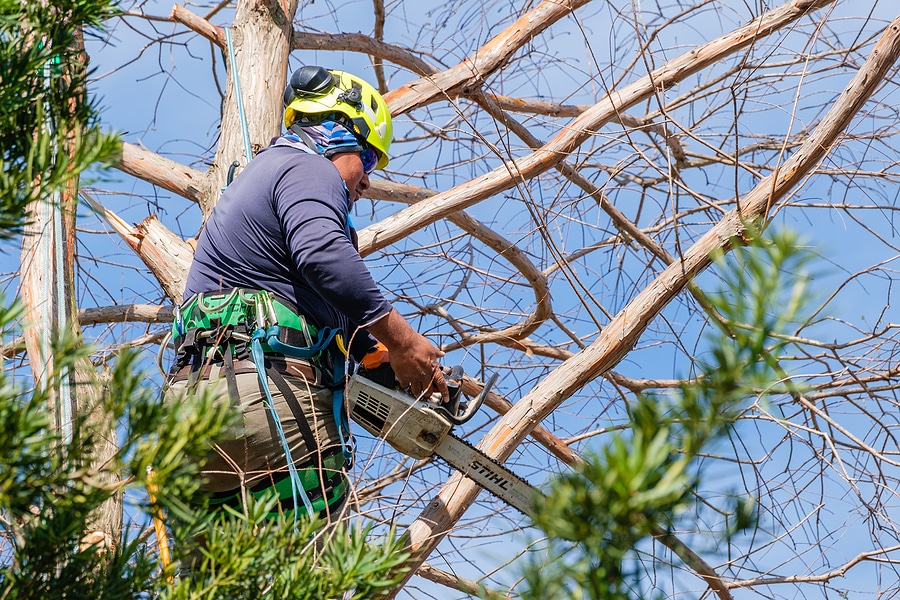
<point>47,273</point>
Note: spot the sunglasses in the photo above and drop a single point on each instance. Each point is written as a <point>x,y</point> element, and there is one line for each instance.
<point>369,160</point>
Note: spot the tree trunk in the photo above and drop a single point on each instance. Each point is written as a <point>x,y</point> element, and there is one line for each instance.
<point>48,293</point>
<point>260,42</point>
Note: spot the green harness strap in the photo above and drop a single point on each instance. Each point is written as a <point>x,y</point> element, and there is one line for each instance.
<point>323,498</point>
<point>207,312</point>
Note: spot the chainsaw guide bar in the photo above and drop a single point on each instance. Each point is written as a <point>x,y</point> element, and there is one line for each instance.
<point>488,473</point>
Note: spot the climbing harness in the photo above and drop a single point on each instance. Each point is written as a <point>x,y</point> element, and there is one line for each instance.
<point>239,324</point>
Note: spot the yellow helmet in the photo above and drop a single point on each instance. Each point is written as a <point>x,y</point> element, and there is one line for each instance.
<point>316,94</point>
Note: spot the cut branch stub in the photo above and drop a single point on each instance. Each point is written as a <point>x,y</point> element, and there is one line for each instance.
<point>166,255</point>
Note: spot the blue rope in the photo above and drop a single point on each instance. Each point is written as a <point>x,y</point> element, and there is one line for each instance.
<point>237,93</point>
<point>256,352</point>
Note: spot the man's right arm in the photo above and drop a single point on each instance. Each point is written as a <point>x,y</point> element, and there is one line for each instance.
<point>313,214</point>
<point>413,357</point>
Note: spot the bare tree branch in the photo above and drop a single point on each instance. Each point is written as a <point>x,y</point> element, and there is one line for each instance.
<point>626,327</point>
<point>490,57</point>
<point>503,178</point>
<point>833,574</point>
<point>163,172</point>
<point>211,32</point>
<point>458,583</point>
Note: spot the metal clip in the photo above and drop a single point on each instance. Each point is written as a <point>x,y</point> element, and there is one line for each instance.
<point>179,321</point>
<point>270,310</point>
<point>208,309</point>
<point>261,310</point>
<point>304,326</point>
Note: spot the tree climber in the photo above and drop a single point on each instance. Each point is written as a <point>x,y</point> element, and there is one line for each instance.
<point>278,295</point>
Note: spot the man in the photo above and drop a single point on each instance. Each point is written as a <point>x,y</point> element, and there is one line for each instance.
<point>277,290</point>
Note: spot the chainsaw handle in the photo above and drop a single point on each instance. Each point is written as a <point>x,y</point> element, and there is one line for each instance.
<point>473,406</point>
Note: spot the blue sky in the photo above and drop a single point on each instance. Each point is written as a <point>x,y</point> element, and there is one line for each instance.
<point>165,98</point>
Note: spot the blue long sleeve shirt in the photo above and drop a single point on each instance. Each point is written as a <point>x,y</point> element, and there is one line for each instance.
<point>283,226</point>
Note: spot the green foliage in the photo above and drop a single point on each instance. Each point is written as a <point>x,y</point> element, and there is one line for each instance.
<point>49,131</point>
<point>47,496</point>
<point>643,481</point>
<point>247,555</point>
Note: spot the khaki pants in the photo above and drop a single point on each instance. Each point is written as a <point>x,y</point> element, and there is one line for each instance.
<point>253,458</point>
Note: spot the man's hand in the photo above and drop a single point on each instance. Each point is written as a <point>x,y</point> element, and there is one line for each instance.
<point>413,358</point>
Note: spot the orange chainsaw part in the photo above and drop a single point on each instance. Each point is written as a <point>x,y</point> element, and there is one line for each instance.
<point>375,357</point>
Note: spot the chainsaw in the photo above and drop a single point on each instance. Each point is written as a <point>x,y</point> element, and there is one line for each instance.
<point>421,428</point>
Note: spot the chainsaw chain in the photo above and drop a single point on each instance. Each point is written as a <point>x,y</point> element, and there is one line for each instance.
<point>484,456</point>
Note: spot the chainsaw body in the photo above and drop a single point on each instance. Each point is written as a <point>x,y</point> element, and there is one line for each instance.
<point>410,426</point>
<point>423,428</point>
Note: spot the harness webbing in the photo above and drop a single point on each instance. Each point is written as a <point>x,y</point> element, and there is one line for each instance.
<point>326,336</point>
<point>291,399</point>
